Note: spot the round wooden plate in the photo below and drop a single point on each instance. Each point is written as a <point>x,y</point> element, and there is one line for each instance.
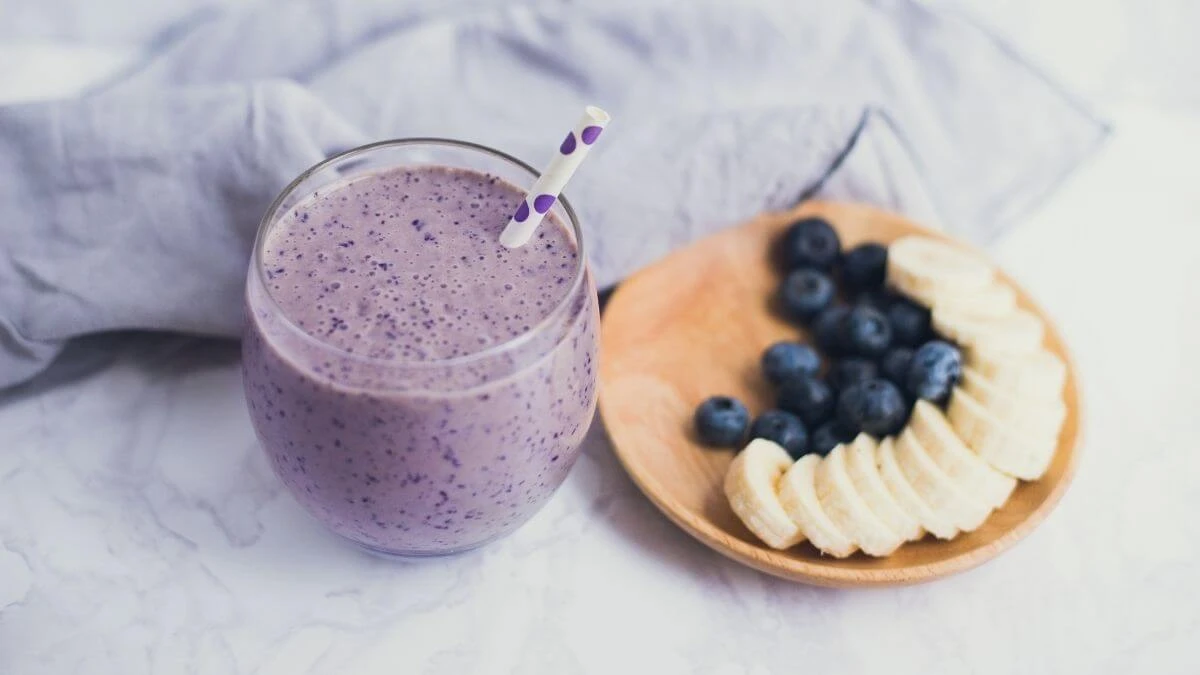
<point>694,325</point>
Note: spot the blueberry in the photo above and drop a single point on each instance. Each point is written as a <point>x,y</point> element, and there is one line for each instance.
<point>783,428</point>
<point>877,298</point>
<point>864,267</point>
<point>848,372</point>
<point>828,436</point>
<point>722,421</point>
<point>868,332</point>
<point>805,293</point>
<point>809,398</point>
<point>830,330</point>
<point>810,242</point>
<point>894,365</point>
<point>875,407</point>
<point>785,361</point>
<point>936,367</point>
<point>909,322</point>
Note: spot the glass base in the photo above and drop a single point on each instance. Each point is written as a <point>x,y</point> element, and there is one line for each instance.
<point>417,556</point>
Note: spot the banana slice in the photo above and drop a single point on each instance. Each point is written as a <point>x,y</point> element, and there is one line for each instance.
<point>847,508</point>
<point>920,266</point>
<point>864,474</point>
<point>1037,416</point>
<point>992,301</point>
<point>1005,446</point>
<point>930,518</point>
<point>1018,332</point>
<point>938,489</point>
<point>798,494</point>
<point>751,485</point>
<point>975,477</point>
<point>1041,374</point>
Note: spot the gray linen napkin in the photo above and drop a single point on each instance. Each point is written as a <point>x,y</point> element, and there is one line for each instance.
<point>134,207</point>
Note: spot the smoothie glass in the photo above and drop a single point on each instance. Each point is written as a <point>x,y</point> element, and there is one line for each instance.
<point>404,451</point>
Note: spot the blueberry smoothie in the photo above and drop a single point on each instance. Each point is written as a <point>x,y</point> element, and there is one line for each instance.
<point>419,388</point>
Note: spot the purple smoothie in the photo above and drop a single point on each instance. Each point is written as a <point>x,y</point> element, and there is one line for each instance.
<point>419,388</point>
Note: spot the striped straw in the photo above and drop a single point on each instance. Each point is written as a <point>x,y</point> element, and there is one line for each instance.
<point>545,191</point>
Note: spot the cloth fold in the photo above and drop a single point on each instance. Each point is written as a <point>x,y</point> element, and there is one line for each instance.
<point>135,206</point>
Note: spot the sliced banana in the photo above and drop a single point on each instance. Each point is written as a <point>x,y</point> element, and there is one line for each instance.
<point>1040,374</point>
<point>996,300</point>
<point>1037,415</point>
<point>1005,446</point>
<point>938,489</point>
<point>798,494</point>
<point>913,502</point>
<point>751,487</point>
<point>974,477</point>
<point>847,508</point>
<point>921,267</point>
<point>946,471</point>
<point>1018,332</point>
<point>864,474</point>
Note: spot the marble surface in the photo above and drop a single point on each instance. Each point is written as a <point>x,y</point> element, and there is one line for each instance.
<point>141,530</point>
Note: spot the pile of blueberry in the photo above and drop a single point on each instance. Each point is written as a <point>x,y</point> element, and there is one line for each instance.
<point>878,353</point>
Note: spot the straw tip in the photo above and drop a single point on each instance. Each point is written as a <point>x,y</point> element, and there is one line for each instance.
<point>598,114</point>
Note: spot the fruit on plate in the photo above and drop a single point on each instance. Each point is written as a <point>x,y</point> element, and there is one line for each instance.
<point>864,267</point>
<point>751,488</point>
<point>1017,332</point>
<point>932,430</point>
<point>931,396</point>
<point>868,332</point>
<point>1039,375</point>
<point>811,399</point>
<point>875,406</point>
<point>894,365</point>
<point>787,360</point>
<point>828,436</point>
<point>810,243</point>
<point>994,300</point>
<point>798,494</point>
<point>1036,411</point>
<point>722,421</point>
<point>805,293</point>
<point>864,474</point>
<point>880,298</point>
<point>933,371</point>
<point>850,371</point>
<point>936,487</point>
<point>1016,449</point>
<point>931,520</point>
<point>783,429</point>
<point>923,267</point>
<point>910,323</point>
<point>829,329</point>
<point>849,510</point>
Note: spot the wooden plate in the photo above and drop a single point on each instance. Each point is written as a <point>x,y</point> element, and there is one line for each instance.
<point>693,325</point>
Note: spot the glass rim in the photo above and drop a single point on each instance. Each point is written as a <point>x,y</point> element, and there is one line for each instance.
<point>502,347</point>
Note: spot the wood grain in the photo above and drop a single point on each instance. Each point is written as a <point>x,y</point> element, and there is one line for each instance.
<point>694,325</point>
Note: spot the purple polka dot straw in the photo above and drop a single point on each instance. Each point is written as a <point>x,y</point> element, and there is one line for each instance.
<point>528,214</point>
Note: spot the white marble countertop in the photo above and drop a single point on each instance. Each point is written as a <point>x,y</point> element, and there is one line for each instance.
<point>141,530</point>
